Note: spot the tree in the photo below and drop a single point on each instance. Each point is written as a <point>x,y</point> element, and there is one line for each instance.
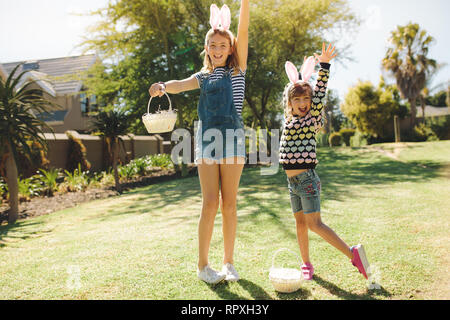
<point>162,40</point>
<point>370,108</point>
<point>287,30</point>
<point>18,125</point>
<point>336,117</point>
<point>439,99</point>
<point>111,124</point>
<point>407,61</point>
<point>159,41</point>
<point>447,100</point>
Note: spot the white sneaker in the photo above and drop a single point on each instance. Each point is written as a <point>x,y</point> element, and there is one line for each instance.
<point>210,275</point>
<point>230,272</point>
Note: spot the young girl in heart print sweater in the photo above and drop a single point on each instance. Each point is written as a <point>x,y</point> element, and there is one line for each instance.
<point>303,120</point>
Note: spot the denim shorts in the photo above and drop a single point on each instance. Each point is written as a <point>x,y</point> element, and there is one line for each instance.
<point>304,190</point>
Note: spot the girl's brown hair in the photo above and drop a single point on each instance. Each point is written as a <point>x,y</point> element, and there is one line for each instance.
<point>232,61</point>
<point>290,92</point>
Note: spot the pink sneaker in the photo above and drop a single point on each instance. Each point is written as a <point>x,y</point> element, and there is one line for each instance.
<point>360,260</point>
<point>307,271</point>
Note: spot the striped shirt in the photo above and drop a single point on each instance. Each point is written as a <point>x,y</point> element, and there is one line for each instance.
<point>237,82</point>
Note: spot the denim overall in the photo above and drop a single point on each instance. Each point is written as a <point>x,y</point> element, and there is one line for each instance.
<point>216,111</point>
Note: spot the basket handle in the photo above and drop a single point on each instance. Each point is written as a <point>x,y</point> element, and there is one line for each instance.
<point>150,101</point>
<point>284,249</point>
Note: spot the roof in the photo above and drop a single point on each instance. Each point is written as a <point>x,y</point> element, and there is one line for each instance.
<point>57,69</point>
<point>41,79</point>
<point>431,111</point>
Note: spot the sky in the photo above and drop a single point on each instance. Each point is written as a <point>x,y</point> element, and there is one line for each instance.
<point>33,30</point>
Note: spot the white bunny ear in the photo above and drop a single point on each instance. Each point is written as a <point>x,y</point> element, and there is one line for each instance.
<point>214,19</point>
<point>291,72</point>
<point>308,68</point>
<point>225,15</point>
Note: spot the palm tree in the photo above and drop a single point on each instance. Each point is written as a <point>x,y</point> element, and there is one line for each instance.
<point>111,125</point>
<point>18,124</point>
<point>406,60</point>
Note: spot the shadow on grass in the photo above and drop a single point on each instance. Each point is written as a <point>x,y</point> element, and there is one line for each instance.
<point>341,293</point>
<point>21,230</point>
<point>255,291</point>
<point>341,169</point>
<point>338,169</point>
<point>258,293</point>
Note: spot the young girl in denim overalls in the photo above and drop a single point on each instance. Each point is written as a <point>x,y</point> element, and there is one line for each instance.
<point>220,163</point>
<point>303,119</point>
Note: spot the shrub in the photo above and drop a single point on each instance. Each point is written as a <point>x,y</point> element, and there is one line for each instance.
<point>106,179</point>
<point>48,179</point>
<point>77,154</point>
<point>30,187</point>
<point>441,127</point>
<point>358,140</point>
<point>78,180</point>
<point>160,160</point>
<point>346,135</point>
<point>335,139</point>
<point>140,164</point>
<point>28,166</point>
<point>127,172</point>
<point>423,132</point>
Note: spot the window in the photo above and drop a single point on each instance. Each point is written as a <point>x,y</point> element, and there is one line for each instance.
<point>30,65</point>
<point>93,106</point>
<point>88,104</point>
<point>84,103</point>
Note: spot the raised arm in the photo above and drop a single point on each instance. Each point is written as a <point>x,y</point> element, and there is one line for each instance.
<point>242,35</point>
<point>318,101</point>
<point>173,86</point>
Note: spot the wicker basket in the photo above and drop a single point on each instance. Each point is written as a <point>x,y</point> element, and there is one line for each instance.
<point>161,121</point>
<point>283,279</point>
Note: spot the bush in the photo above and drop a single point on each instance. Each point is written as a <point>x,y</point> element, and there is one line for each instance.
<point>127,172</point>
<point>30,187</point>
<point>28,166</point>
<point>48,179</point>
<point>160,160</point>
<point>106,179</point>
<point>358,140</point>
<point>335,139</point>
<point>77,180</point>
<point>77,154</point>
<point>346,135</point>
<point>423,132</point>
<point>441,127</point>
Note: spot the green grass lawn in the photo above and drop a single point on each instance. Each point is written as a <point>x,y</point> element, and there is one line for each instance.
<point>143,244</point>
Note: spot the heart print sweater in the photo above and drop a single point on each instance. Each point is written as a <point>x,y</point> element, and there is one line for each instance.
<point>298,141</point>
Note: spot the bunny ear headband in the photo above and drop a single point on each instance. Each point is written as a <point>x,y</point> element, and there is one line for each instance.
<point>220,17</point>
<point>306,70</point>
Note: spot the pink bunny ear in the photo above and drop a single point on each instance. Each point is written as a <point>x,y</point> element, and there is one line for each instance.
<point>214,19</point>
<point>308,68</point>
<point>291,72</point>
<point>225,15</point>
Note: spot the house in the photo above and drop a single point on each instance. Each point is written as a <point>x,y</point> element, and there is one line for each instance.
<point>59,79</point>
<point>431,111</point>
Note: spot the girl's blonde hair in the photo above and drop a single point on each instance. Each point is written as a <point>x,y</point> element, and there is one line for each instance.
<point>291,91</point>
<point>232,61</point>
